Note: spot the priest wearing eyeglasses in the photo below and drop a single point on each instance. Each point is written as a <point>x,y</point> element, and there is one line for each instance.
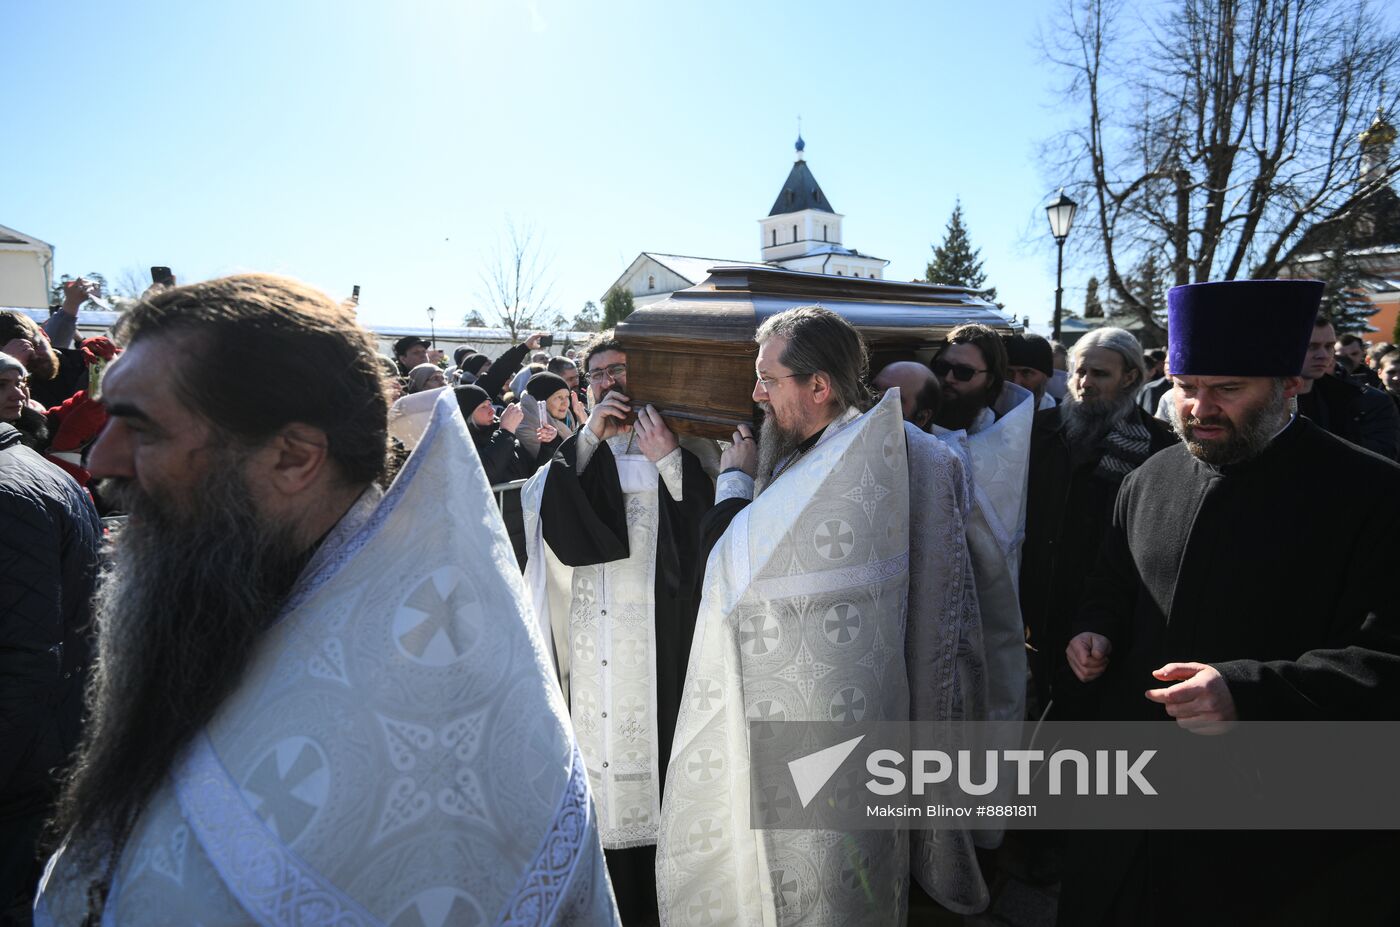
<point>611,531</point>
<point>821,603</point>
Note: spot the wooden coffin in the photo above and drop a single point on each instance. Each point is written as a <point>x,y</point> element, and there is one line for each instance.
<point>692,355</point>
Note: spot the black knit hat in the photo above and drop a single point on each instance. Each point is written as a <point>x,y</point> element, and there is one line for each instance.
<point>545,384</point>
<point>470,398</point>
<point>474,362</point>
<point>1030,351</point>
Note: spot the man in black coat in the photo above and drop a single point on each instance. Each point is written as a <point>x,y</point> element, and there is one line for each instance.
<point>1080,453</point>
<point>1363,415</point>
<point>48,568</point>
<point>1211,603</point>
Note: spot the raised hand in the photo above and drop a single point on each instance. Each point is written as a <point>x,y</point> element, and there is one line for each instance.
<point>511,417</point>
<point>654,438</point>
<point>743,453</point>
<point>609,417</point>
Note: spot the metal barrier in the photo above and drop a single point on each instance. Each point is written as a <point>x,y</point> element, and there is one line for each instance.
<point>500,490</point>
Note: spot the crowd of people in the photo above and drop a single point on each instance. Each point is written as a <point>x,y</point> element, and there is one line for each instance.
<point>317,673</point>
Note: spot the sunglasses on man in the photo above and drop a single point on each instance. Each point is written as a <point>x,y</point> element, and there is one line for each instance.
<point>963,373</point>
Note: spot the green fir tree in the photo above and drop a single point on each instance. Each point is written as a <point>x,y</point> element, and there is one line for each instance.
<point>617,305</point>
<point>956,262</point>
<point>1344,302</point>
<point>1093,308</point>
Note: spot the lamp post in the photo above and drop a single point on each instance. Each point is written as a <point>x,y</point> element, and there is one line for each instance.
<point>1061,214</point>
<point>432,313</point>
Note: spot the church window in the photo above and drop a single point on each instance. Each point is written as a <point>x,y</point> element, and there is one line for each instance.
<point>775,237</point>
<point>794,233</point>
<point>651,282</point>
<point>823,233</point>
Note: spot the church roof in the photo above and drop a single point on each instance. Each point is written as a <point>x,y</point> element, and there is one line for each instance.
<point>1375,222</point>
<point>694,269</point>
<point>800,191</point>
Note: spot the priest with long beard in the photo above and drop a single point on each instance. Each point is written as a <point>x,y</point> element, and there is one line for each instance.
<point>806,606</point>
<point>305,707</point>
<point>1080,453</point>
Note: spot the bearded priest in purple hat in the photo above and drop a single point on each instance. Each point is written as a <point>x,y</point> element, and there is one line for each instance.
<point>1223,593</point>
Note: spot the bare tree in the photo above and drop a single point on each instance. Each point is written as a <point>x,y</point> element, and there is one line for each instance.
<point>1211,139</point>
<point>131,282</point>
<point>517,282</point>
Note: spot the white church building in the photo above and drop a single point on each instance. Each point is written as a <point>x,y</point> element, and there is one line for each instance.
<point>801,232</point>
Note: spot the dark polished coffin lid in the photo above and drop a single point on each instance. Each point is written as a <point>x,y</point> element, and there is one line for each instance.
<point>692,354</point>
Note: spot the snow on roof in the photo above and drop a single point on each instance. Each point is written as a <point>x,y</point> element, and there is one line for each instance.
<point>694,269</point>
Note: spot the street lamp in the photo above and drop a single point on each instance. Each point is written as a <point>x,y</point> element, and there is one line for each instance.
<point>432,327</point>
<point>1061,214</point>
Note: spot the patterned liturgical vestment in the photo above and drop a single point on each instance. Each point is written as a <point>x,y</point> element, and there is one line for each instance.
<point>601,619</point>
<point>398,753</point>
<point>802,620</point>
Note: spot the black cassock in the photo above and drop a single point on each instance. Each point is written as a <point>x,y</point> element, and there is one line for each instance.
<point>1251,569</point>
<point>583,517</point>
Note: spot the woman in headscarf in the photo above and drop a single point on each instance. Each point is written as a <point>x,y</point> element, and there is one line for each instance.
<point>425,377</point>
<point>549,401</point>
<point>15,407</point>
<point>498,439</point>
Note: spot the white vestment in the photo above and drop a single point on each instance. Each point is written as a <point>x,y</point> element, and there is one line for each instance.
<point>996,451</point>
<point>802,619</point>
<point>947,662</point>
<point>998,455</point>
<point>397,753</point>
<point>601,619</point>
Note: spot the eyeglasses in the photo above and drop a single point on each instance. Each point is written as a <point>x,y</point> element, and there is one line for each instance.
<point>610,372</point>
<point>769,382</point>
<point>961,372</point>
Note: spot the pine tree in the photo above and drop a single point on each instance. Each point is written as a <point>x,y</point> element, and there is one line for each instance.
<point>1343,301</point>
<point>956,262</point>
<point>617,305</point>
<point>1093,309</point>
<point>587,319</point>
<point>474,320</point>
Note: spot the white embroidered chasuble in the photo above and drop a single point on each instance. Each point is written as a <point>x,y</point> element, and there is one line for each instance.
<point>397,754</point>
<point>601,619</point>
<point>996,451</point>
<point>998,456</point>
<point>802,619</point>
<point>943,644</point>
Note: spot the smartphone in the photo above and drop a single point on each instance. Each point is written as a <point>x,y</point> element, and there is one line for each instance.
<point>162,276</point>
<point>355,293</point>
<point>547,341</point>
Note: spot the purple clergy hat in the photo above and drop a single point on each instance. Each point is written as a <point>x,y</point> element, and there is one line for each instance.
<point>1241,328</point>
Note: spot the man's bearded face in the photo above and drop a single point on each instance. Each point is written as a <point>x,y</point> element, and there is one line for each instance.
<point>776,442</point>
<point>1227,420</point>
<point>1101,394</point>
<point>199,576</point>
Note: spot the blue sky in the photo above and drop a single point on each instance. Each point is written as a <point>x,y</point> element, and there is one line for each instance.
<point>389,144</point>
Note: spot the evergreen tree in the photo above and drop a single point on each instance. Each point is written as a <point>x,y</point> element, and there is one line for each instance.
<point>1093,309</point>
<point>617,305</point>
<point>1343,301</point>
<point>474,320</point>
<point>587,319</point>
<point>956,262</point>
